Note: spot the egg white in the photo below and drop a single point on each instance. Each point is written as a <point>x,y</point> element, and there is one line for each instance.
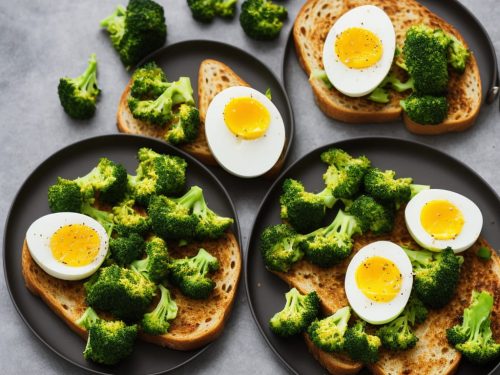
<point>360,82</point>
<point>473,220</point>
<point>243,157</point>
<point>38,239</point>
<point>379,312</point>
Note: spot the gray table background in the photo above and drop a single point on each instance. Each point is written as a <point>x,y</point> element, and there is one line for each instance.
<point>40,41</point>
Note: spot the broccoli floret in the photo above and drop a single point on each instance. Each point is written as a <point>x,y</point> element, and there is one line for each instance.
<point>78,95</point>
<point>331,245</point>
<point>155,266</point>
<point>123,292</point>
<point>126,249</point>
<point>321,75</point>
<point>381,93</point>
<point>148,82</point>
<point>185,126</point>
<point>137,30</point>
<point>473,338</point>
<point>345,173</point>
<point>298,313</point>
<point>108,342</point>
<point>128,220</point>
<point>328,334</point>
<point>361,346</point>
<point>457,54</point>
<point>210,225</point>
<point>280,247</point>
<point>207,10</point>
<point>372,215</point>
<point>262,19</point>
<point>436,275</point>
<point>426,109</point>
<point>190,274</point>
<point>382,185</point>
<point>156,322</point>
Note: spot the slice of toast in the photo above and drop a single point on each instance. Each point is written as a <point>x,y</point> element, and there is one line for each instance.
<point>432,354</point>
<point>197,322</point>
<point>310,30</point>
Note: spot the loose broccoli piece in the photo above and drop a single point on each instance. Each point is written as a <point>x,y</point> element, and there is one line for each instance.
<point>381,93</point>
<point>382,185</point>
<point>328,334</point>
<point>126,249</point>
<point>128,220</point>
<point>473,338</point>
<point>298,313</point>
<point>207,10</point>
<point>209,225</point>
<point>484,253</point>
<point>185,127</point>
<point>361,346</point>
<point>123,292</point>
<point>262,19</point>
<point>332,244</point>
<point>157,174</point>
<point>426,109</point>
<point>190,274</point>
<point>345,173</point>
<point>436,275</point>
<point>148,82</point>
<point>78,95</point>
<point>137,30</point>
<point>321,75</point>
<point>303,210</point>
<point>155,266</point>
<point>159,111</point>
<point>372,215</point>
<point>157,321</point>
<point>457,54</point>
<point>108,342</point>
<point>280,247</point>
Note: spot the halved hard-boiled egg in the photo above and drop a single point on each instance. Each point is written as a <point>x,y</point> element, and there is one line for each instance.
<point>437,219</point>
<point>378,282</point>
<point>245,131</point>
<point>67,245</point>
<point>359,50</point>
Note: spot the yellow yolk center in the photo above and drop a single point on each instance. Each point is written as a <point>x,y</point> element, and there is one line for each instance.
<point>442,219</point>
<point>379,279</point>
<point>246,117</point>
<point>75,245</point>
<point>358,48</point>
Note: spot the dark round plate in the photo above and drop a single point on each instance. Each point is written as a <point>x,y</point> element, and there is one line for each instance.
<point>425,164</point>
<point>31,203</point>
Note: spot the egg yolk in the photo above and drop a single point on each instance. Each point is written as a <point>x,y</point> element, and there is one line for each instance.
<point>379,279</point>
<point>246,117</point>
<point>75,245</point>
<point>358,48</point>
<point>442,219</point>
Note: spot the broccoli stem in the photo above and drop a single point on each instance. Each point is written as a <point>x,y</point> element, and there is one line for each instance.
<point>103,217</point>
<point>88,318</point>
<point>88,80</point>
<point>115,24</point>
<point>188,200</point>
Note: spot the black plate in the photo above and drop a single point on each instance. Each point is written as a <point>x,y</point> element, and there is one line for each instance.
<point>425,164</point>
<point>31,203</point>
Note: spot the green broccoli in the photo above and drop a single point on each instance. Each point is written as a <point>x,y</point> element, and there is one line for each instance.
<point>457,54</point>
<point>155,266</point>
<point>137,30</point>
<point>425,109</point>
<point>156,322</point>
<point>207,10</point>
<point>280,247</point>
<point>78,95</point>
<point>321,75</point>
<point>126,249</point>
<point>473,338</point>
<point>190,274</point>
<point>381,93</point>
<point>148,82</point>
<point>371,215</point>
<point>128,220</point>
<point>185,126</point>
<point>384,186</point>
<point>361,346</point>
<point>209,224</point>
<point>262,19</point>
<point>299,312</point>
<point>328,334</point>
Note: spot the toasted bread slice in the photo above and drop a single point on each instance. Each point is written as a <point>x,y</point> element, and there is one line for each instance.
<point>310,30</point>
<point>197,322</point>
<point>432,354</point>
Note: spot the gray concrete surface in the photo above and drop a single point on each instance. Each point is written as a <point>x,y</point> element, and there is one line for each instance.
<point>42,40</point>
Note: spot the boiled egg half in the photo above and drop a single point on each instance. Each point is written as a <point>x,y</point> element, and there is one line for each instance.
<point>245,131</point>
<point>359,50</point>
<point>437,219</point>
<point>378,282</point>
<point>67,245</point>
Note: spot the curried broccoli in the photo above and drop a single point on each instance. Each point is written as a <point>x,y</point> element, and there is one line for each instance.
<point>361,346</point>
<point>123,292</point>
<point>78,95</point>
<point>436,275</point>
<point>371,215</point>
<point>190,274</point>
<point>126,249</point>
<point>457,54</point>
<point>156,322</point>
<point>185,126</point>
<point>262,19</point>
<point>148,81</point>
<point>298,313</point>
<point>137,30</point>
<point>280,247</point>
<point>425,109</point>
<point>128,220</point>
<point>155,266</point>
<point>207,10</point>
<point>328,334</point>
<point>209,224</point>
<point>108,342</point>
<point>473,338</point>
